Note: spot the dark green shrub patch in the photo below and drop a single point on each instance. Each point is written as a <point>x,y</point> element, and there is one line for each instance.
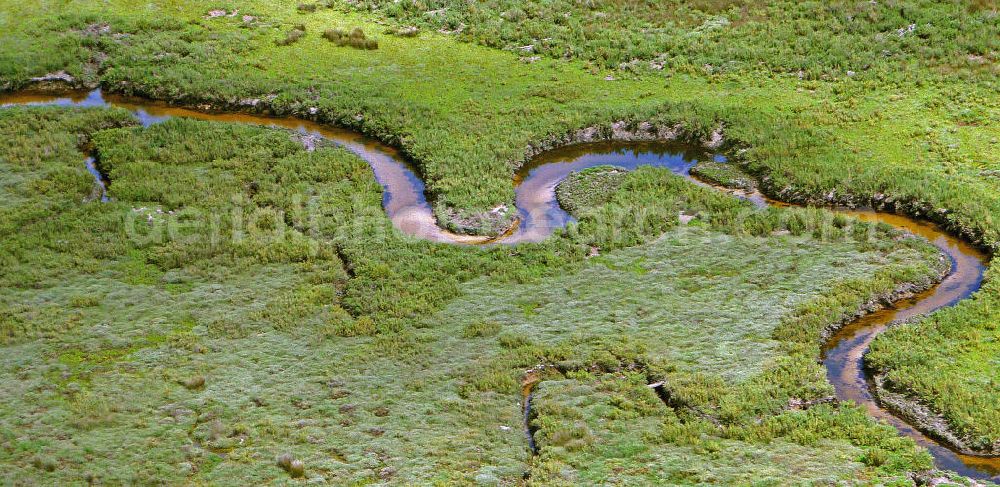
<point>355,38</point>
<point>292,37</point>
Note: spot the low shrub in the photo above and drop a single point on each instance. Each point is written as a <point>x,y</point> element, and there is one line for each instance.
<point>84,301</point>
<point>334,35</point>
<point>407,31</point>
<point>481,329</point>
<point>295,468</point>
<point>356,38</point>
<point>196,382</point>
<point>362,326</point>
<point>293,36</point>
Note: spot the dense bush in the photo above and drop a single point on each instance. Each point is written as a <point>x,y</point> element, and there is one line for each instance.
<point>292,37</point>
<point>356,38</point>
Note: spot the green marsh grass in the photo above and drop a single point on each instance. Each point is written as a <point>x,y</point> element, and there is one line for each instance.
<point>374,357</point>
<point>819,100</point>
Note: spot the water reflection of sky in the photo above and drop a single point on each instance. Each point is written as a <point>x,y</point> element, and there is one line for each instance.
<point>539,216</point>
<point>92,99</point>
<point>628,159</point>
<point>146,119</point>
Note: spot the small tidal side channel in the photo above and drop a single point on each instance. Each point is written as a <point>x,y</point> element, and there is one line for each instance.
<point>539,215</point>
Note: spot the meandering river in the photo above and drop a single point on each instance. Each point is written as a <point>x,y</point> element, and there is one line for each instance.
<point>539,215</point>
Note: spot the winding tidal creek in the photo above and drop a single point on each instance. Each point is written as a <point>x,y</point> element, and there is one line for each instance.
<point>539,214</point>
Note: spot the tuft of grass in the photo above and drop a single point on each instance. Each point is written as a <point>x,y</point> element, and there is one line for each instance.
<point>724,174</point>
<point>362,326</point>
<point>295,468</point>
<point>44,463</point>
<point>196,382</point>
<point>513,340</point>
<point>80,301</point>
<point>481,329</point>
<point>589,188</point>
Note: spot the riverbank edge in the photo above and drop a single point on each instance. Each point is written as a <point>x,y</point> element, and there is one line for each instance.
<point>880,301</point>
<point>489,224</point>
<point>924,418</point>
<point>886,203</point>
<point>908,407</point>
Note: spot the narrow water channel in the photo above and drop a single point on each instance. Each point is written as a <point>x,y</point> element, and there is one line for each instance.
<point>539,215</point>
<point>843,353</point>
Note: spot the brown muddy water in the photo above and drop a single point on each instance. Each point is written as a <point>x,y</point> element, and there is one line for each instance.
<point>539,215</point>
<point>843,353</point>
